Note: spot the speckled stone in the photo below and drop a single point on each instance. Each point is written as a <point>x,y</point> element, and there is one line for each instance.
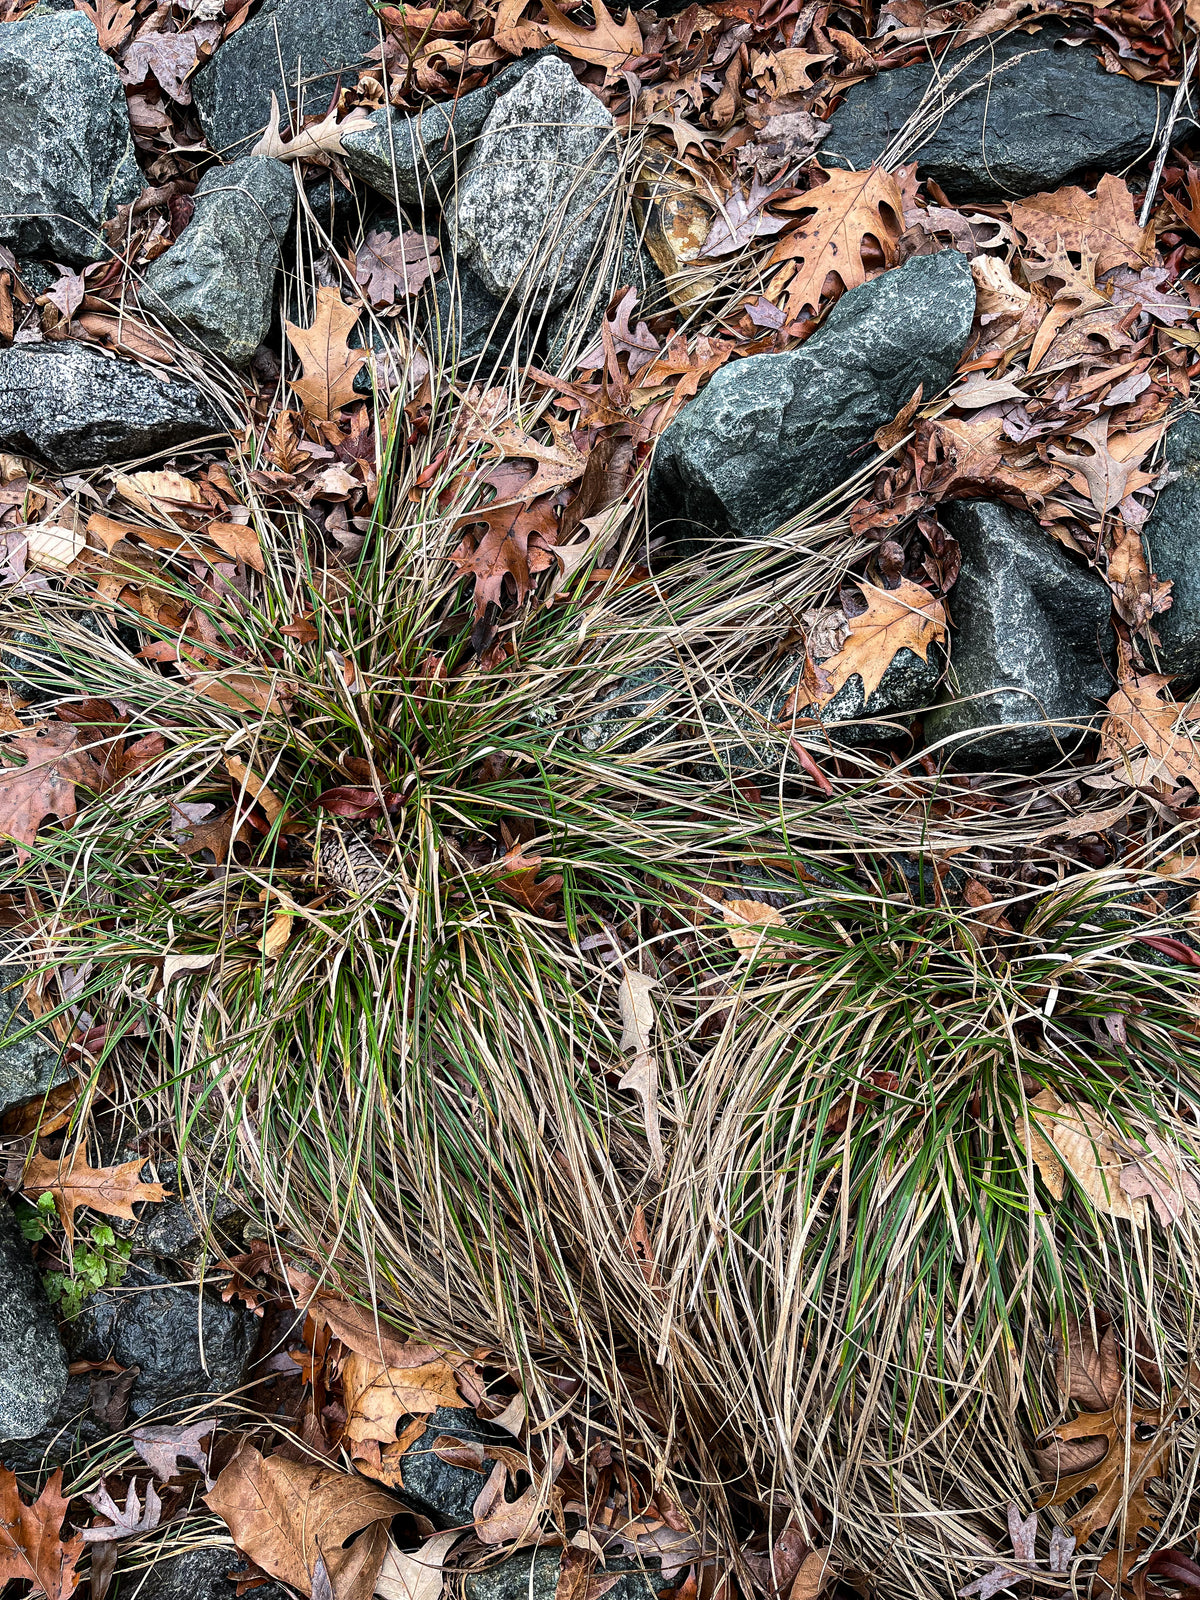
<point>1031,124</point>
<point>1032,643</point>
<point>1172,538</point>
<point>909,684</point>
<point>217,280</point>
<point>73,406</point>
<point>537,187</point>
<point>66,151</point>
<point>33,1367</point>
<point>31,1066</point>
<point>318,43</point>
<point>773,433</point>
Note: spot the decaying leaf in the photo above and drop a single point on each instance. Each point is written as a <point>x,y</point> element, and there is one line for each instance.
<point>1104,228</point>
<point>323,138</point>
<point>606,45</point>
<point>847,209</point>
<point>44,785</point>
<point>114,1191</point>
<point>391,267</point>
<point>377,1397</point>
<point>294,1517</point>
<point>907,617</point>
<point>31,1543</point>
<point>1120,1476</point>
<point>415,1576</point>
<point>638,1022</point>
<point>1148,737</point>
<point>330,366</point>
<point>1087,1372</point>
<point>163,1445</point>
<point>127,1520</point>
<point>748,924</point>
<point>1071,1138</point>
<point>1158,1174</point>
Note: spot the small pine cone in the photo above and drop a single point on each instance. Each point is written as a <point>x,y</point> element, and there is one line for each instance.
<point>347,861</point>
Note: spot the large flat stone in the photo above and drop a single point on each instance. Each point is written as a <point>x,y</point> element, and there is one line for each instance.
<point>1037,113</point>
<point>284,41</point>
<point>217,280</point>
<point>73,406</point>
<point>773,433</point>
<point>537,187</point>
<point>1032,644</point>
<point>33,1368</point>
<point>66,150</point>
<point>416,160</point>
<point>1172,537</point>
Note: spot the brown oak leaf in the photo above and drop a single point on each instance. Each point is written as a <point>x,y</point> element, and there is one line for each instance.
<point>330,366</point>
<point>846,210</point>
<point>31,1544</point>
<point>55,761</point>
<point>72,1183</point>
<point>392,266</point>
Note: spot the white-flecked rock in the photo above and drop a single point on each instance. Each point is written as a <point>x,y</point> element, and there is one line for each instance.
<point>537,187</point>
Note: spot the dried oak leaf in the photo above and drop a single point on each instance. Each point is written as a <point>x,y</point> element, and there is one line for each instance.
<point>1105,228</point>
<point>45,785</point>
<point>358,1327</point>
<point>377,1397</point>
<point>163,1445</point>
<point>1085,1371</point>
<point>740,221</point>
<point>847,209</point>
<point>1119,1476</point>
<point>905,618</point>
<point>392,266</point>
<point>330,366</point>
<point>294,1518</point>
<point>1064,1137</point>
<point>112,20</point>
<point>606,45</point>
<point>638,1022</point>
<point>125,1521</point>
<point>1150,738</point>
<point>114,1191</point>
<point>31,1545</point>
<point>504,551</point>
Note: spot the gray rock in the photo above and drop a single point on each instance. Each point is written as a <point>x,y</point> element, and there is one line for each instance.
<point>414,160</point>
<point>200,1575</point>
<point>537,187</point>
<point>66,150</point>
<point>908,685</point>
<point>1032,641</point>
<point>68,1434</point>
<point>218,279</point>
<point>1172,538</point>
<point>31,1066</point>
<point>466,324</point>
<point>33,1368</point>
<point>625,721</point>
<point>37,661</point>
<point>1025,126</point>
<point>73,406</point>
<point>314,43</point>
<point>188,1345</point>
<point>773,433</point>
<point>534,1574</point>
<point>442,1492</point>
<point>636,269</point>
<point>176,1230</point>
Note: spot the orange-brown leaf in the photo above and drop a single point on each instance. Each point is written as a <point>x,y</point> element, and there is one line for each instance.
<point>847,209</point>
<point>330,366</point>
<point>1118,1479</point>
<point>112,1190</point>
<point>605,45</point>
<point>31,1545</point>
<point>377,1397</point>
<point>905,618</point>
<point>1070,219</point>
<point>45,786</point>
<point>292,1516</point>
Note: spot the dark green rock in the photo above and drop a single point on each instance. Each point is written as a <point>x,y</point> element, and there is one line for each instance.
<point>31,1066</point>
<point>201,1575</point>
<point>442,1492</point>
<point>535,193</point>
<point>773,433</point>
<point>1172,539</point>
<point>66,150</point>
<point>65,1438</point>
<point>1032,643</point>
<point>465,324</point>
<point>316,43</point>
<point>1029,124</point>
<point>416,160</point>
<point>533,1575</point>
<point>188,1345</point>
<point>73,406</point>
<point>908,685</point>
<point>33,1368</point>
<point>217,280</point>
<point>626,722</point>
<point>177,1231</point>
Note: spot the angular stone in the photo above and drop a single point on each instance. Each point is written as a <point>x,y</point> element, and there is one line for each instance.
<point>218,279</point>
<point>534,1575</point>
<point>177,1231</point>
<point>1032,643</point>
<point>66,150</point>
<point>771,434</point>
<point>1172,539</point>
<point>414,160</point>
<point>201,1575</point>
<point>908,685</point>
<point>537,187</point>
<point>30,1066</point>
<point>1029,124</point>
<point>466,324</point>
<point>73,406</point>
<point>440,1491</point>
<point>187,1344</point>
<point>33,1368</point>
<point>625,722</point>
<point>314,43</point>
